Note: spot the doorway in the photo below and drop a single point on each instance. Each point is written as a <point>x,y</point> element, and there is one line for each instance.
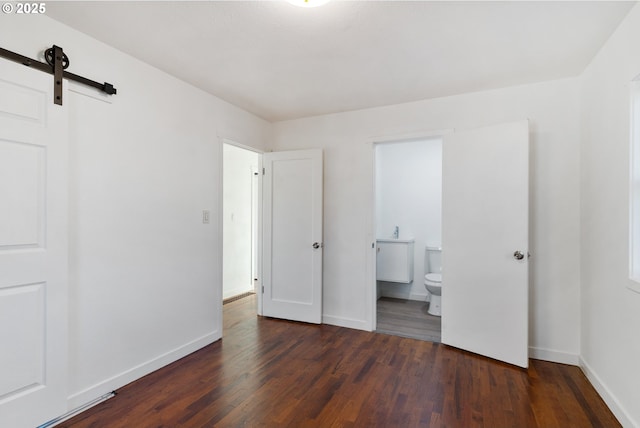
<point>240,221</point>
<point>408,205</point>
<point>485,227</point>
<point>272,240</point>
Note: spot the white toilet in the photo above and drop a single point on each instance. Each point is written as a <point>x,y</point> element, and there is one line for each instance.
<point>433,279</point>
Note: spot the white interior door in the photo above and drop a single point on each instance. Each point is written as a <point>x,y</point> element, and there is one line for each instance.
<point>33,248</point>
<point>292,215</point>
<point>485,225</point>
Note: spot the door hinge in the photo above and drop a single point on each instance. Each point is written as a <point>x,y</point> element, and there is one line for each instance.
<point>262,171</point>
<point>263,289</point>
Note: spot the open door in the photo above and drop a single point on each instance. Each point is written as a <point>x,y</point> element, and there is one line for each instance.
<point>292,235</point>
<point>485,226</point>
<point>33,248</point>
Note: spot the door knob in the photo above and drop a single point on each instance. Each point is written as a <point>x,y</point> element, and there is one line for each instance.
<point>518,255</point>
<point>316,245</point>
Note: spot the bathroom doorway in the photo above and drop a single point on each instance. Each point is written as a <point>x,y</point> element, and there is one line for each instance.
<point>240,213</point>
<point>408,206</point>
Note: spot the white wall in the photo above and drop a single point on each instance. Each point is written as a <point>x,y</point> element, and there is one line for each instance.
<point>553,111</point>
<point>144,271</point>
<point>409,195</point>
<point>610,345</point>
<point>238,184</point>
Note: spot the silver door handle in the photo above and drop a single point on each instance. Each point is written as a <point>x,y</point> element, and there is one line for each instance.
<point>518,255</point>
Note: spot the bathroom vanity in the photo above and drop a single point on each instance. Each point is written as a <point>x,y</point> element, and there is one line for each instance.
<point>394,260</point>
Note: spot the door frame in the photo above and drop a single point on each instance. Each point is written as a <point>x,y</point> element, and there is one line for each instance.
<point>258,237</point>
<point>371,221</point>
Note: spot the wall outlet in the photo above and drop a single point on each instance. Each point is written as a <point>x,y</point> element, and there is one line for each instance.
<point>205,217</point>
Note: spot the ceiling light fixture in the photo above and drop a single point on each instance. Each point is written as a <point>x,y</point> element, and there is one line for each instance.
<point>308,3</point>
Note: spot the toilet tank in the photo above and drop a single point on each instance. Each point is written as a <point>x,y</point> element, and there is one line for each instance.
<point>394,260</point>
<point>433,262</point>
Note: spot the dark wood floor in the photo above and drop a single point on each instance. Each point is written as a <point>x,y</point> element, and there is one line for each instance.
<point>407,318</point>
<point>273,373</point>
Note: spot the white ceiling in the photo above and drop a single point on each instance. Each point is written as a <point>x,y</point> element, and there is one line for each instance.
<point>283,62</point>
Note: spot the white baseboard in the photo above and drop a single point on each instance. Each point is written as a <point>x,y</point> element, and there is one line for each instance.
<point>235,291</point>
<point>554,356</point>
<point>421,297</point>
<point>82,397</point>
<point>403,295</point>
<point>346,322</point>
<point>612,402</point>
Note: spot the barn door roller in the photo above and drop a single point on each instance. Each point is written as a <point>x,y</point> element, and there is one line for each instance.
<point>57,62</point>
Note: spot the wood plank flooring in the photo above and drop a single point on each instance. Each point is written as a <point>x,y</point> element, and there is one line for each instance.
<point>407,318</point>
<point>274,373</point>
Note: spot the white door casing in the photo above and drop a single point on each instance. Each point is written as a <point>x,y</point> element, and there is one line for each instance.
<point>485,221</point>
<point>255,218</point>
<point>33,248</point>
<point>292,235</point>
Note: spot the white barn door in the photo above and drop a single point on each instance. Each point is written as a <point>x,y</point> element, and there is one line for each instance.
<point>33,248</point>
<point>485,230</point>
<point>292,235</point>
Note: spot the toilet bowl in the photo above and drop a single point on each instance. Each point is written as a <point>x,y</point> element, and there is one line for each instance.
<point>433,284</point>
